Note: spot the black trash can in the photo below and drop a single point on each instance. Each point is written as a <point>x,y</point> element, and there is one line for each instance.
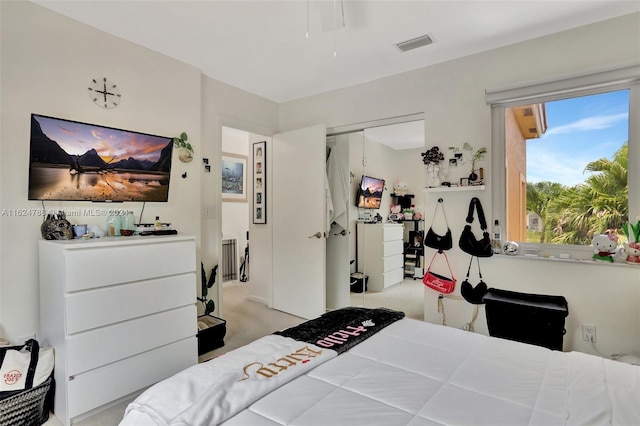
<point>358,282</point>
<point>530,318</point>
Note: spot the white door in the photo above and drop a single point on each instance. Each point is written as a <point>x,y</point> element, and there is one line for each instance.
<point>299,224</point>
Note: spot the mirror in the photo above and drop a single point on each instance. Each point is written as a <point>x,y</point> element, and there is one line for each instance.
<point>383,256</point>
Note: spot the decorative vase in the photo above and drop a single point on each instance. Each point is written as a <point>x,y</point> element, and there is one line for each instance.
<point>473,177</point>
<point>433,177</point>
<point>185,155</point>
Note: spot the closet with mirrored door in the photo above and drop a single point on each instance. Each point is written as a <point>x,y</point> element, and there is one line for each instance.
<point>374,260</point>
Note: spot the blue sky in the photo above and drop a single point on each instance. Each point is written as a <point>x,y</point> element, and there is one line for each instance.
<point>580,130</point>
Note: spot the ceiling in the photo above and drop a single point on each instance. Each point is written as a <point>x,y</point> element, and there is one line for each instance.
<point>261,47</point>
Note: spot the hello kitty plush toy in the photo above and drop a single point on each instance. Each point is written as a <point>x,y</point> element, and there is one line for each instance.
<point>400,188</point>
<point>395,212</point>
<point>418,214</point>
<point>605,245</point>
<point>632,252</point>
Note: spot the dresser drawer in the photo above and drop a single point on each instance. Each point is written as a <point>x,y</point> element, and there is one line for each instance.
<point>390,248</point>
<point>391,262</point>
<point>103,306</point>
<point>392,277</point>
<point>100,386</point>
<point>392,232</point>
<point>105,345</point>
<point>126,263</point>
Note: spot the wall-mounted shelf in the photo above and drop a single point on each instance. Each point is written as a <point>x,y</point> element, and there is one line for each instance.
<point>403,200</point>
<point>455,188</point>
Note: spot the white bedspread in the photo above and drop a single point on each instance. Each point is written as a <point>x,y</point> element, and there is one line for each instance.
<point>413,373</point>
<point>211,392</point>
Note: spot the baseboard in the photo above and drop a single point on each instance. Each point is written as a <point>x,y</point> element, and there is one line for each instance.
<point>258,299</point>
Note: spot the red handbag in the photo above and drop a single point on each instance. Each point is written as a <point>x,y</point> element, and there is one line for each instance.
<point>439,282</point>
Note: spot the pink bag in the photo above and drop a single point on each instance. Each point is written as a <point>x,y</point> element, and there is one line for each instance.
<point>439,282</point>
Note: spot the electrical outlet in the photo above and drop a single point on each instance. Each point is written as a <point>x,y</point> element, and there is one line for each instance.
<point>589,333</point>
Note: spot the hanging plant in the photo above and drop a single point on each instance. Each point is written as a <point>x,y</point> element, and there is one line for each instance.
<point>186,150</point>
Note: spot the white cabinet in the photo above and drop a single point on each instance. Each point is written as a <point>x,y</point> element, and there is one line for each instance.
<point>380,253</point>
<point>120,313</point>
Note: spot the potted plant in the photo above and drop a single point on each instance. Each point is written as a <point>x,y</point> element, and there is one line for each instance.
<point>185,153</point>
<point>431,158</point>
<point>211,329</point>
<point>475,157</point>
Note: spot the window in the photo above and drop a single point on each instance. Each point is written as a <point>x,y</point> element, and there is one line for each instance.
<point>571,154</point>
<point>567,168</point>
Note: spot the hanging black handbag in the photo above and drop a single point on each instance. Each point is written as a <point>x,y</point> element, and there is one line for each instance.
<point>468,242</point>
<point>473,294</point>
<point>433,240</point>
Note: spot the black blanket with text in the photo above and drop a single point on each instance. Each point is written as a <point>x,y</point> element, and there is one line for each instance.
<point>343,328</point>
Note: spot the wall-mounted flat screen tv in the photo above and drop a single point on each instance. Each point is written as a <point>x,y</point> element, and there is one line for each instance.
<point>73,161</point>
<point>370,192</point>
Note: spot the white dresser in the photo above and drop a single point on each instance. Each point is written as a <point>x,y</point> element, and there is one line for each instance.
<point>380,253</point>
<point>120,313</point>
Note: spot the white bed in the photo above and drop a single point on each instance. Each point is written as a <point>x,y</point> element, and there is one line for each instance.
<point>408,373</point>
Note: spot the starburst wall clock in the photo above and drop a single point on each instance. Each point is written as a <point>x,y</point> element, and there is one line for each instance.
<point>104,93</point>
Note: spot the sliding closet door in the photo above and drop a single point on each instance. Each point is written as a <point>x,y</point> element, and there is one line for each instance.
<point>299,222</point>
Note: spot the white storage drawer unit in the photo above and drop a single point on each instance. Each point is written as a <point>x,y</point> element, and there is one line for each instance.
<point>120,313</point>
<point>380,253</point>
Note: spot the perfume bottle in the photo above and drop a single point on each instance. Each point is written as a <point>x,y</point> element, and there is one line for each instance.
<point>157,224</point>
<point>497,237</point>
<point>113,225</point>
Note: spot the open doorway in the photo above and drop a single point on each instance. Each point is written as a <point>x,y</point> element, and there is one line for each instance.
<point>243,292</point>
<point>235,209</point>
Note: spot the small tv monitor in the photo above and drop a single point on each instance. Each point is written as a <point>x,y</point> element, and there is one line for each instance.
<point>370,192</point>
<point>74,161</point>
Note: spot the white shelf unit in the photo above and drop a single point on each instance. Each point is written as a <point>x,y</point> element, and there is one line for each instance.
<point>120,314</point>
<point>380,254</point>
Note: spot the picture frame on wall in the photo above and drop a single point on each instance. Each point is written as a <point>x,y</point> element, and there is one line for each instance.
<point>234,177</point>
<point>260,182</point>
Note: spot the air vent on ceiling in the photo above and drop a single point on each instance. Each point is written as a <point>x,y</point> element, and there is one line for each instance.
<point>528,112</point>
<point>414,43</point>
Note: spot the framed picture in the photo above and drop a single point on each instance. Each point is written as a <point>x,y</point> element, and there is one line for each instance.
<point>260,182</point>
<point>234,177</point>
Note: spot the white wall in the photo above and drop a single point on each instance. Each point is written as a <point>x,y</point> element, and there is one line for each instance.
<point>47,61</point>
<point>451,96</point>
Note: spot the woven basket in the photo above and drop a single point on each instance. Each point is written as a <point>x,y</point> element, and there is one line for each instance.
<point>26,408</point>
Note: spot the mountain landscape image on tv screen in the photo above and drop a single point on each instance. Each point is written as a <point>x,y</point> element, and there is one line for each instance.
<point>75,161</point>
